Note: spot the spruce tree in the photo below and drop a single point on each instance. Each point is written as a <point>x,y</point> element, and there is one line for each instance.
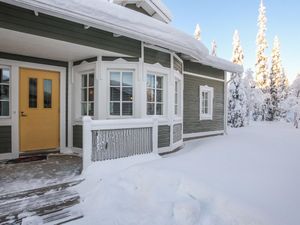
<point>261,42</point>
<point>214,48</point>
<point>237,107</point>
<point>273,101</point>
<point>197,33</point>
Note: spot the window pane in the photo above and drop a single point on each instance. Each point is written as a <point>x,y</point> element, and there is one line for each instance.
<point>159,96</point>
<point>115,109</point>
<point>91,94</point>
<point>150,81</point>
<point>4,108</point>
<point>84,95</point>
<point>150,95</point>
<point>91,80</point>
<point>150,108</point>
<point>91,109</point>
<point>127,79</point>
<point>127,109</point>
<point>4,75</point>
<point>176,109</point>
<point>83,109</point>
<point>159,82</point>
<point>84,80</point>
<point>47,93</point>
<point>127,94</point>
<point>115,79</point>
<point>159,109</point>
<point>115,94</point>
<point>4,92</point>
<point>176,98</point>
<point>32,93</point>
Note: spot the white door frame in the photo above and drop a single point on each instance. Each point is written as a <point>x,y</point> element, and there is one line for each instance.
<point>13,119</point>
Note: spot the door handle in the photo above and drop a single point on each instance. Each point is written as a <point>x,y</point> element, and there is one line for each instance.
<point>23,114</point>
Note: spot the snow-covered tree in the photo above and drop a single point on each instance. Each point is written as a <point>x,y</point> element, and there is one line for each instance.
<point>238,53</point>
<point>237,103</point>
<point>274,82</point>
<point>214,48</point>
<point>197,33</point>
<point>261,42</point>
<point>283,85</point>
<point>295,87</point>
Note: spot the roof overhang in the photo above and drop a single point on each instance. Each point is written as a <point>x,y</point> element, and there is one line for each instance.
<point>121,21</point>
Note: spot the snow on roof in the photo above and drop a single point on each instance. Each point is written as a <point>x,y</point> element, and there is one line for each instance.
<point>102,14</point>
<point>222,64</point>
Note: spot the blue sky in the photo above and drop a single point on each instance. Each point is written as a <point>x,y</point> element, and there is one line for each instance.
<point>218,19</point>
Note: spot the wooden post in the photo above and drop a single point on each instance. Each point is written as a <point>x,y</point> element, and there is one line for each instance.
<point>87,142</point>
<point>155,135</point>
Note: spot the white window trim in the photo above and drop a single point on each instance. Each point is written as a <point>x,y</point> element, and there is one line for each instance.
<point>121,70</point>
<point>210,90</point>
<point>76,89</point>
<point>87,102</point>
<point>9,92</point>
<point>179,78</point>
<point>166,73</point>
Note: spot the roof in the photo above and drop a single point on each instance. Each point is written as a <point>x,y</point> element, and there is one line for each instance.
<point>104,15</point>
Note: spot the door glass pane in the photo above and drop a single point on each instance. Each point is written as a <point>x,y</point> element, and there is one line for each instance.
<point>84,80</point>
<point>4,92</point>
<point>159,82</point>
<point>115,79</point>
<point>127,79</point>
<point>91,94</point>
<point>151,95</point>
<point>159,96</point>
<point>84,95</point>
<point>4,76</point>
<point>150,109</point>
<point>127,94</point>
<point>91,109</point>
<point>115,94</point>
<point>32,93</point>
<point>159,109</point>
<point>115,108</point>
<point>151,81</point>
<point>127,109</point>
<point>91,80</point>
<point>47,94</point>
<point>83,109</point>
<point>4,108</point>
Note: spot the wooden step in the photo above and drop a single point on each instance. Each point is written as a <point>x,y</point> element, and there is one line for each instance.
<point>38,191</point>
<point>53,205</point>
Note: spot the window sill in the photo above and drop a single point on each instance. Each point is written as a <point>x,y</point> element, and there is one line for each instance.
<point>205,117</point>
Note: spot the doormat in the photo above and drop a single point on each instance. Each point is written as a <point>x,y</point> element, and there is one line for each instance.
<point>27,159</point>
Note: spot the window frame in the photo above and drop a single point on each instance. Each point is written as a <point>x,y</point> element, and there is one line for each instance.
<point>163,89</point>
<point>9,91</point>
<point>210,91</point>
<point>87,73</point>
<point>121,71</point>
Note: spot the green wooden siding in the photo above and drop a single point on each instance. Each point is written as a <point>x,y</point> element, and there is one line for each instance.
<point>198,68</point>
<point>77,136</point>
<point>5,139</point>
<point>177,132</point>
<point>163,136</point>
<point>191,117</point>
<point>153,56</point>
<point>24,20</point>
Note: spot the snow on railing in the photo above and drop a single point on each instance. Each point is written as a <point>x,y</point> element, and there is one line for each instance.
<point>112,139</point>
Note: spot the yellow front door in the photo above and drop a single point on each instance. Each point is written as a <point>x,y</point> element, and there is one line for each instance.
<point>39,110</point>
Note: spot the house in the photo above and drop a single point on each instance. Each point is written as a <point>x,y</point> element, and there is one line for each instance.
<point>145,85</point>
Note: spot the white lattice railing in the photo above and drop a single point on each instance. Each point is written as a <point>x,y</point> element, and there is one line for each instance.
<point>112,139</point>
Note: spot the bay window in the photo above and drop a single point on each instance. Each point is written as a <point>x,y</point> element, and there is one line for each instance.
<point>121,93</point>
<point>4,91</point>
<point>155,94</point>
<point>206,102</point>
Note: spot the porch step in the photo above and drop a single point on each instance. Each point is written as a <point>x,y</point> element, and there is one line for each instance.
<point>49,205</point>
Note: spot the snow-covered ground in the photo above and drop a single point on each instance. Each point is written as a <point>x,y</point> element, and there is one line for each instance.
<point>251,176</point>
